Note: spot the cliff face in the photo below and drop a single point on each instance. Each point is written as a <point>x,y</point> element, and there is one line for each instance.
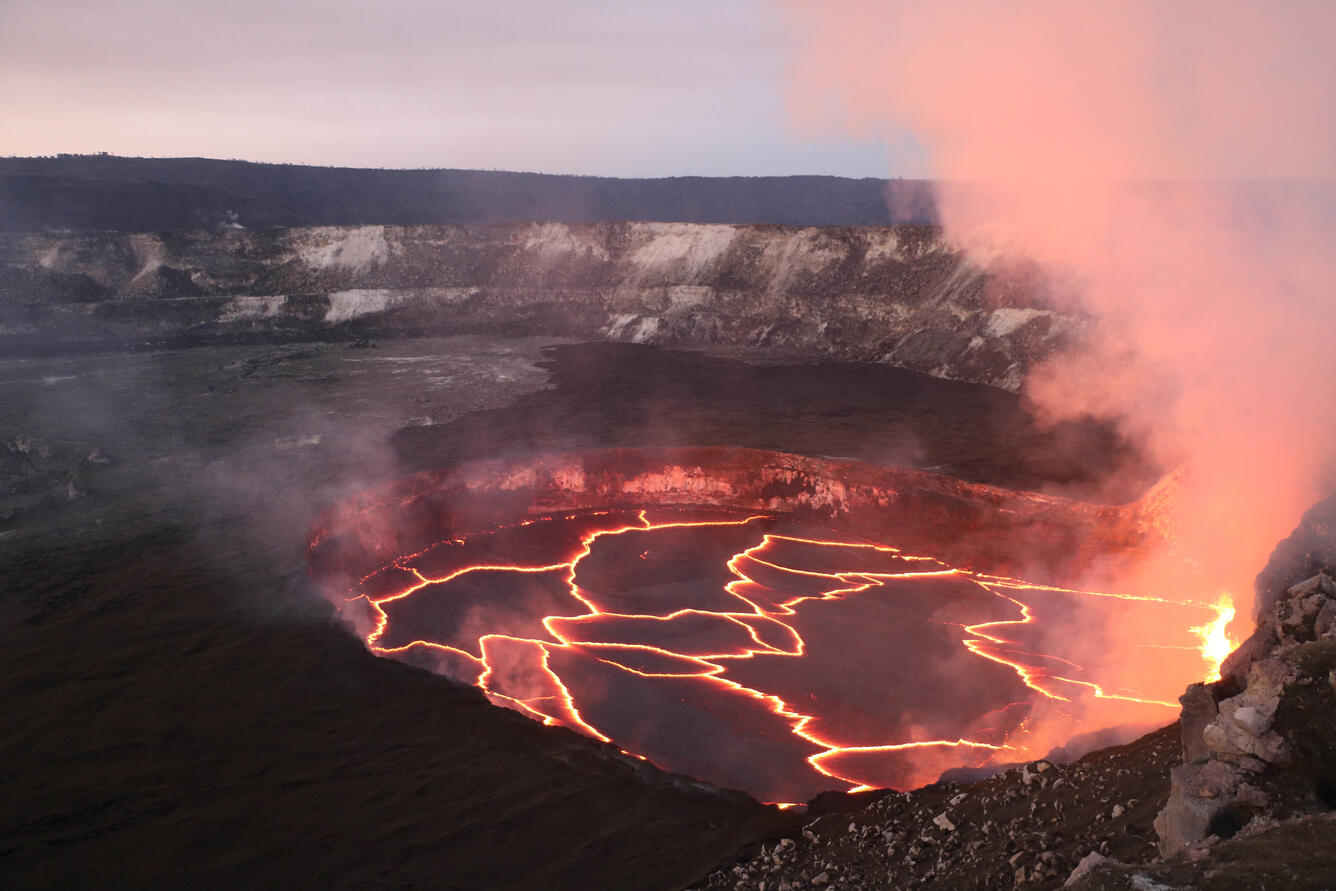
<point>898,295</point>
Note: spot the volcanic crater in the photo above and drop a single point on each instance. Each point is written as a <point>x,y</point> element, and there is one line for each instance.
<point>781,624</point>
<point>649,546</point>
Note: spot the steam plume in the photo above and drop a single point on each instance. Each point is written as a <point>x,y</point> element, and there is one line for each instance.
<point>1173,160</point>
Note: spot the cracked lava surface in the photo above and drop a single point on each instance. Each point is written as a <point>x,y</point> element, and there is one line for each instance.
<point>758,653</point>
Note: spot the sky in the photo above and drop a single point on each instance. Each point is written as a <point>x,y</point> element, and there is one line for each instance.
<point>610,87</point>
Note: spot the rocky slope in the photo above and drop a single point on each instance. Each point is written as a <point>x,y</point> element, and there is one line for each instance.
<point>897,295</point>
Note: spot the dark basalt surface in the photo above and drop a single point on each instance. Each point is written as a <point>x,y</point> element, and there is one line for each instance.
<point>150,194</point>
<point>627,395</point>
<point>180,707</point>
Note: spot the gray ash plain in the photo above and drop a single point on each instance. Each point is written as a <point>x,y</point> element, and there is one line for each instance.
<point>181,706</point>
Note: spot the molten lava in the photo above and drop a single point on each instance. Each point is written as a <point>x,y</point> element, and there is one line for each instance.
<point>758,652</point>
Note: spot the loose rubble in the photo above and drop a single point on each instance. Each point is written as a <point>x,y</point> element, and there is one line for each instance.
<point>1030,826</point>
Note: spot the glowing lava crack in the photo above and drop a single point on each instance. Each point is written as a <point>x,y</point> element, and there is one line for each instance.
<point>763,654</point>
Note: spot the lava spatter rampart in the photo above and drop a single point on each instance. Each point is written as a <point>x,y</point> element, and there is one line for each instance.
<point>744,645</point>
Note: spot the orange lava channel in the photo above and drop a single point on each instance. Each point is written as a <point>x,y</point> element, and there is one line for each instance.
<point>993,641</point>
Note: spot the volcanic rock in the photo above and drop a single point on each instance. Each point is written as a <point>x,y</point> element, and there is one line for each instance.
<point>900,295</point>
<point>1199,709</point>
<point>34,284</point>
<point>1243,725</point>
<point>1308,550</point>
<point>1240,737</point>
<point>102,191</point>
<point>1005,832</point>
<point>1088,863</point>
<point>1325,620</point>
<point>1234,670</point>
<point>1279,668</point>
<point>1318,584</point>
<point>1295,854</point>
<point>1197,794</point>
<point>160,283</point>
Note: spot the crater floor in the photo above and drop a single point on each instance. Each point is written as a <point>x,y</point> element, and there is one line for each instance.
<point>181,704</point>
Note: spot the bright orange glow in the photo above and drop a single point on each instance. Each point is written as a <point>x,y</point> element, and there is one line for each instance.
<point>1216,645</point>
<point>756,616</point>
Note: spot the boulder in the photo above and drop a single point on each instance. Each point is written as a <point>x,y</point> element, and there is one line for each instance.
<point>1197,792</point>
<point>1318,584</point>
<point>1243,726</point>
<point>1325,623</point>
<point>1266,683</point>
<point>1232,741</point>
<point>1234,670</point>
<point>1199,709</point>
<point>1298,614</point>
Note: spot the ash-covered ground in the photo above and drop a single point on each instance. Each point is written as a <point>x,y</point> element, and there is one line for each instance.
<point>181,706</point>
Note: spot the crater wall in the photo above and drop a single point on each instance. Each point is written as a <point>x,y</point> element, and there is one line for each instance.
<point>900,295</point>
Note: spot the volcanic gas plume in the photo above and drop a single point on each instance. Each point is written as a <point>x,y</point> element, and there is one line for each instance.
<point>738,642</point>
<point>1170,163</point>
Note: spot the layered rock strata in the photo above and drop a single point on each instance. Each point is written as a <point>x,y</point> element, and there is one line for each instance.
<point>899,295</point>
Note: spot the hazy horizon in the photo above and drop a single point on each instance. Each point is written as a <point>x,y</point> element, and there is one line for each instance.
<point>1131,181</point>
<point>584,88</point>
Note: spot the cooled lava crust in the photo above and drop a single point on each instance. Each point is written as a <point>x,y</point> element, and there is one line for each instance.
<point>776,623</point>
